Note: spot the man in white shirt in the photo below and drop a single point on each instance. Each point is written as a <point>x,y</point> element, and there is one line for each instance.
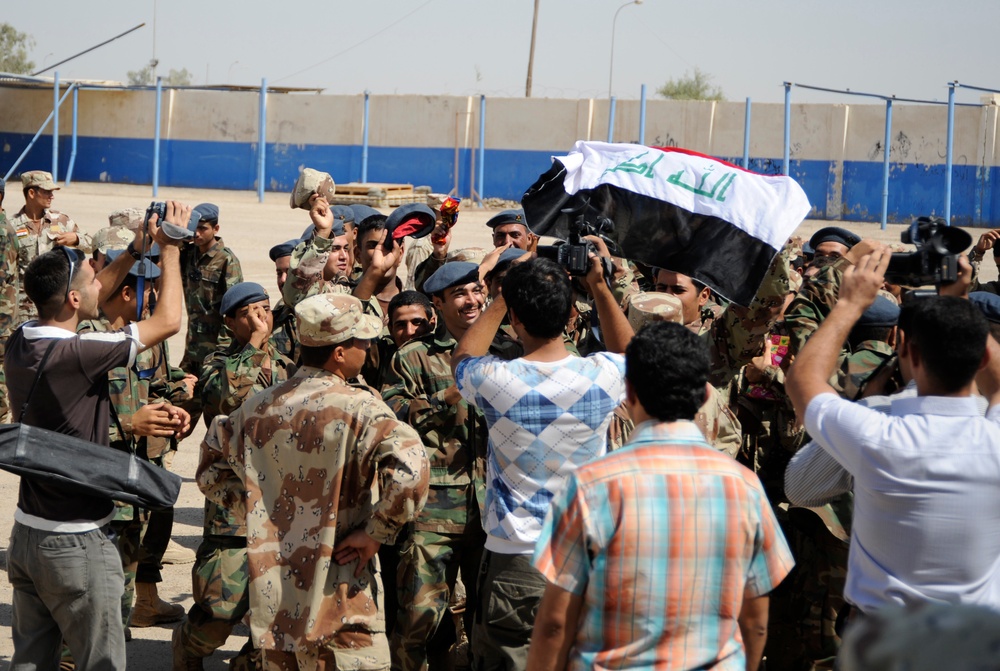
<point>927,475</point>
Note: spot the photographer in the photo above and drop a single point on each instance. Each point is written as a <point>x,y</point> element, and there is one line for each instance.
<point>919,471</point>
<point>547,412</point>
<point>65,570</point>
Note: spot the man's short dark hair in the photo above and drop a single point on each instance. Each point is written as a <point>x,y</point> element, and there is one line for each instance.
<point>949,334</point>
<point>667,366</point>
<point>540,294</point>
<point>45,282</point>
<point>372,223</point>
<point>316,356</point>
<point>404,298</point>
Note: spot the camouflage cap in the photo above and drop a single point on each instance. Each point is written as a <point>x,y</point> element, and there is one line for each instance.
<point>329,319</point>
<point>38,179</point>
<point>471,254</point>
<point>131,218</point>
<point>646,308</point>
<point>111,238</point>
<point>309,182</point>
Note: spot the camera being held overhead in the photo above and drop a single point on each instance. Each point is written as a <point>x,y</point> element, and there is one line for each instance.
<point>574,255</point>
<point>936,259</point>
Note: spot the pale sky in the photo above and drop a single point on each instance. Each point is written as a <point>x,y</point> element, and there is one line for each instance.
<point>909,48</point>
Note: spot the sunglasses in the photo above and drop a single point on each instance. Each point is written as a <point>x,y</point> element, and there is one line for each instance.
<point>73,257</point>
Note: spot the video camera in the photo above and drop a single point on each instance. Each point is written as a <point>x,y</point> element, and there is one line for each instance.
<point>170,230</point>
<point>574,255</point>
<point>936,259</point>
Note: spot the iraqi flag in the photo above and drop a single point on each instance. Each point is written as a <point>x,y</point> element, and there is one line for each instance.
<point>674,209</point>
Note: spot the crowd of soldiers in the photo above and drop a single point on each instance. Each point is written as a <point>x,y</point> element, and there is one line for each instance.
<point>343,277</point>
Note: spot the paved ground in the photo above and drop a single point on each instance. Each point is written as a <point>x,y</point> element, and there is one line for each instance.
<point>250,229</point>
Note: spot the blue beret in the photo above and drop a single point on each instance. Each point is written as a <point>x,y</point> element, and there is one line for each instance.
<point>362,212</point>
<point>988,304</point>
<point>242,294</point>
<point>506,258</point>
<point>145,268</point>
<point>283,249</point>
<point>154,253</point>
<point>507,217</point>
<point>415,220</point>
<point>451,274</point>
<point>208,211</point>
<point>335,232</point>
<point>883,312</point>
<point>834,234</point>
<point>345,212</point>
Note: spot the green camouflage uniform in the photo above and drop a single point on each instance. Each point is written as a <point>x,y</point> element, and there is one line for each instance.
<point>310,461</point>
<point>219,575</point>
<point>858,366</point>
<point>34,239</point>
<point>448,536</point>
<point>206,277</point>
<point>9,289</point>
<point>283,335</point>
<point>976,260</point>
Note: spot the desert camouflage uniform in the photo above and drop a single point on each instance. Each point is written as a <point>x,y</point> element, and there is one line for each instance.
<point>9,290</point>
<point>206,277</point>
<point>219,575</point>
<point>233,375</point>
<point>308,462</point>
<point>448,536</point>
<point>33,239</point>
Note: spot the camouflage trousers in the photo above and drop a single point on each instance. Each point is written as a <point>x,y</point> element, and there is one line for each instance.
<point>4,400</point>
<point>322,658</point>
<point>429,566</point>
<point>221,599</point>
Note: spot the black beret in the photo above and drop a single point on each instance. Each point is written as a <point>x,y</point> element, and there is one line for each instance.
<point>883,312</point>
<point>507,217</point>
<point>834,234</point>
<point>242,294</point>
<point>283,249</point>
<point>145,268</point>
<point>208,211</point>
<point>415,220</point>
<point>451,274</point>
<point>988,304</point>
<point>506,258</point>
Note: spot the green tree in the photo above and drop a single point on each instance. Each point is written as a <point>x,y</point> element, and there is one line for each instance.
<point>691,87</point>
<point>14,46</point>
<point>144,77</point>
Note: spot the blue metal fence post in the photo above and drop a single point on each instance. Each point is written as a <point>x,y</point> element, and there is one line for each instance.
<point>364,142</point>
<point>55,127</point>
<point>642,115</point>
<point>482,148</point>
<point>949,153</point>
<point>786,162</point>
<point>746,138</point>
<point>156,138</point>
<point>885,162</point>
<point>72,152</point>
<point>262,141</point>
<point>611,119</point>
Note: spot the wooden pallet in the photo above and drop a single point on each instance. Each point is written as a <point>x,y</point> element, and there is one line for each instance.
<point>378,201</point>
<point>362,189</point>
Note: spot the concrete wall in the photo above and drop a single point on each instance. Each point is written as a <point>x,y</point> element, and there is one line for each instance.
<point>209,138</point>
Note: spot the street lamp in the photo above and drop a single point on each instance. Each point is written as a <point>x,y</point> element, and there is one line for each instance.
<point>611,67</point>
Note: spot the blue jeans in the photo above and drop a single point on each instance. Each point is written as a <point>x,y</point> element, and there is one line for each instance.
<point>66,587</point>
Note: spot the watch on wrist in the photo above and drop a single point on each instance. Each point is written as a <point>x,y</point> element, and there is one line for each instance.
<point>133,252</point>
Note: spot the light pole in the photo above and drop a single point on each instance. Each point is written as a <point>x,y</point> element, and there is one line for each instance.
<point>531,52</point>
<point>611,67</point>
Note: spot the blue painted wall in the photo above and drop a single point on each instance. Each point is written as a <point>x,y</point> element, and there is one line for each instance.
<point>914,190</point>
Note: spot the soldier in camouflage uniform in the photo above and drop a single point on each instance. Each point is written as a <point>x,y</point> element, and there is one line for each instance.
<point>248,367</point>
<point>209,269</point>
<point>40,229</point>
<point>448,536</point>
<point>284,317</point>
<point>9,288</point>
<point>324,473</point>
